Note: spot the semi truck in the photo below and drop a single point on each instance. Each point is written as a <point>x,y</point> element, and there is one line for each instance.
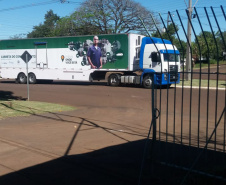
<point>126,59</point>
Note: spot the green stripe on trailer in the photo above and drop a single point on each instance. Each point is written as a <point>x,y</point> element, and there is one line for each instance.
<point>117,57</point>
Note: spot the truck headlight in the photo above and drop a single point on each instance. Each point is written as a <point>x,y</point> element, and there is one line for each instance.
<point>165,76</point>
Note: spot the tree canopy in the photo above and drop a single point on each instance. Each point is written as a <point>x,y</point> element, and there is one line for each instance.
<point>113,16</point>
<point>120,16</point>
<point>210,48</point>
<point>96,17</point>
<point>47,28</point>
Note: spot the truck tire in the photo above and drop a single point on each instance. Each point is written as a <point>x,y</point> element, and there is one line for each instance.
<point>114,80</point>
<point>22,79</point>
<point>147,82</point>
<point>32,78</point>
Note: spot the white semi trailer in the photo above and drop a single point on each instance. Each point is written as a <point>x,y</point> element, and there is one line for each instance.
<point>127,58</point>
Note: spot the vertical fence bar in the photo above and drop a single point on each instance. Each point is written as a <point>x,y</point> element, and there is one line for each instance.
<point>224,127</point>
<point>218,27</point>
<point>222,37</point>
<point>216,104</point>
<point>160,108</point>
<point>223,12</point>
<point>208,85</point>
<point>215,138</point>
<point>200,71</point>
<point>189,44</point>
<point>174,116</point>
<point>161,71</point>
<point>182,98</point>
<point>153,122</point>
<point>167,80</point>
<point>225,94</point>
<point>225,106</point>
<point>190,110</point>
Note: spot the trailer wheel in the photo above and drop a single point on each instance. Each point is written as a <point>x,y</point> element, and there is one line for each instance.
<point>147,82</point>
<point>114,80</point>
<point>22,79</point>
<point>32,78</point>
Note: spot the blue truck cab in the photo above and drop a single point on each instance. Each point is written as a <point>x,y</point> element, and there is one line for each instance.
<point>159,62</point>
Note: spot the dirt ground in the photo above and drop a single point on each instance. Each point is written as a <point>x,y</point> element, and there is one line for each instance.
<point>102,141</point>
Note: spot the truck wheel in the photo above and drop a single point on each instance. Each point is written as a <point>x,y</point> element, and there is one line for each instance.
<point>114,80</point>
<point>147,82</point>
<point>32,78</point>
<point>22,79</point>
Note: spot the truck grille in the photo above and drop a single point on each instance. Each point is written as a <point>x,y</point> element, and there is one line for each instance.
<point>173,73</point>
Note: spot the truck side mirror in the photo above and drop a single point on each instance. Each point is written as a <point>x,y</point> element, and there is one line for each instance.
<point>155,57</point>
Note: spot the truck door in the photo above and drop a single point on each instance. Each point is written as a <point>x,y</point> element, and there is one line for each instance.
<point>41,55</point>
<point>147,60</point>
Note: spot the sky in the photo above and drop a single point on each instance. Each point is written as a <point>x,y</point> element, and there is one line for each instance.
<point>19,17</point>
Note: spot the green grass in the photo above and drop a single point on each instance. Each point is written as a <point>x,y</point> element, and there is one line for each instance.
<point>27,108</point>
<point>204,83</point>
<point>212,63</point>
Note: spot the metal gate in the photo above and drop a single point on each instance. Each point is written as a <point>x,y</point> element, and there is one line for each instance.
<point>186,140</point>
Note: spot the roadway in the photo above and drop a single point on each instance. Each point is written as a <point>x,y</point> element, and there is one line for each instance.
<point>109,124</point>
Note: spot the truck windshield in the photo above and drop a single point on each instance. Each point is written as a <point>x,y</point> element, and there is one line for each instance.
<point>171,57</point>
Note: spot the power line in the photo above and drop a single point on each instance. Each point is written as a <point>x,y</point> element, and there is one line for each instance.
<point>173,5</point>
<point>195,3</point>
<point>36,4</point>
<point>29,5</point>
<point>186,4</point>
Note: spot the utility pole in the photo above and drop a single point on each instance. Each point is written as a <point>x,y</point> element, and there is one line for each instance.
<point>167,20</point>
<point>188,52</point>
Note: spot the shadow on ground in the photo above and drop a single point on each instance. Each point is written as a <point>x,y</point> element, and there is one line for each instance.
<point>121,164</point>
<point>59,82</point>
<point>8,95</point>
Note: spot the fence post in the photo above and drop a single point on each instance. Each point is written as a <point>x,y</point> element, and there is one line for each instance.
<point>153,108</point>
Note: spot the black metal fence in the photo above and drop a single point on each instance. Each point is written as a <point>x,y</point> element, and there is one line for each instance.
<point>186,141</point>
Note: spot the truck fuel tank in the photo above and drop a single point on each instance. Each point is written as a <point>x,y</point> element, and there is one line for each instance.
<point>130,79</point>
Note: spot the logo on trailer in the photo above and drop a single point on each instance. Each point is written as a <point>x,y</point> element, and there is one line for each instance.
<point>62,58</point>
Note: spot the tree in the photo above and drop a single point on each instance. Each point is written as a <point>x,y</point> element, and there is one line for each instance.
<point>222,47</point>
<point>19,36</point>
<point>112,16</point>
<point>170,34</point>
<point>208,47</point>
<point>64,27</point>
<point>96,17</point>
<point>75,24</point>
<point>209,50</point>
<point>47,28</point>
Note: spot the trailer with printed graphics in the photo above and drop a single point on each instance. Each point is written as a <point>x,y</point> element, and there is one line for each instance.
<point>126,58</point>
